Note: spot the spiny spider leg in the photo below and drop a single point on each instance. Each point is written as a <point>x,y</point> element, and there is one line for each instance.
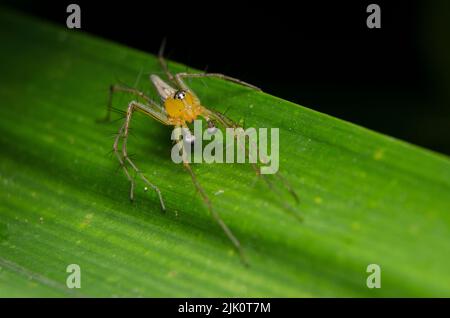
<point>163,62</point>
<point>287,207</point>
<point>276,190</point>
<point>288,186</point>
<point>211,209</point>
<point>125,89</point>
<point>228,123</point>
<point>122,163</point>
<point>124,132</point>
<point>179,78</point>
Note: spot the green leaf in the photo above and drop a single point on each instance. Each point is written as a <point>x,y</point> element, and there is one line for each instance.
<point>366,198</point>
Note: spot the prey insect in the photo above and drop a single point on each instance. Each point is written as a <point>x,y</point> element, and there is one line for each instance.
<point>180,106</point>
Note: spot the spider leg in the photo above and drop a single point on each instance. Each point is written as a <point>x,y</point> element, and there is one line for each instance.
<point>122,163</point>
<point>133,106</point>
<point>276,190</point>
<point>228,123</point>
<point>130,90</point>
<point>211,209</point>
<point>163,62</point>
<point>273,188</point>
<point>179,79</point>
<point>288,187</point>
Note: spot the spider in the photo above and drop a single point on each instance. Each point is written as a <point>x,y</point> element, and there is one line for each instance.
<point>180,106</point>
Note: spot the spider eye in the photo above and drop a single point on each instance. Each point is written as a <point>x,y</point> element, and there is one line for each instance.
<point>180,95</point>
<point>212,129</point>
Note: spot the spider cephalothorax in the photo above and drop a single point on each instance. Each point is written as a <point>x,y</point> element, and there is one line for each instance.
<point>182,107</point>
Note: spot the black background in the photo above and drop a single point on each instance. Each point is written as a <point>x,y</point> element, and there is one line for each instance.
<point>319,54</point>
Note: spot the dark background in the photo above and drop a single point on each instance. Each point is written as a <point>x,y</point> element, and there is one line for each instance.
<point>395,80</point>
